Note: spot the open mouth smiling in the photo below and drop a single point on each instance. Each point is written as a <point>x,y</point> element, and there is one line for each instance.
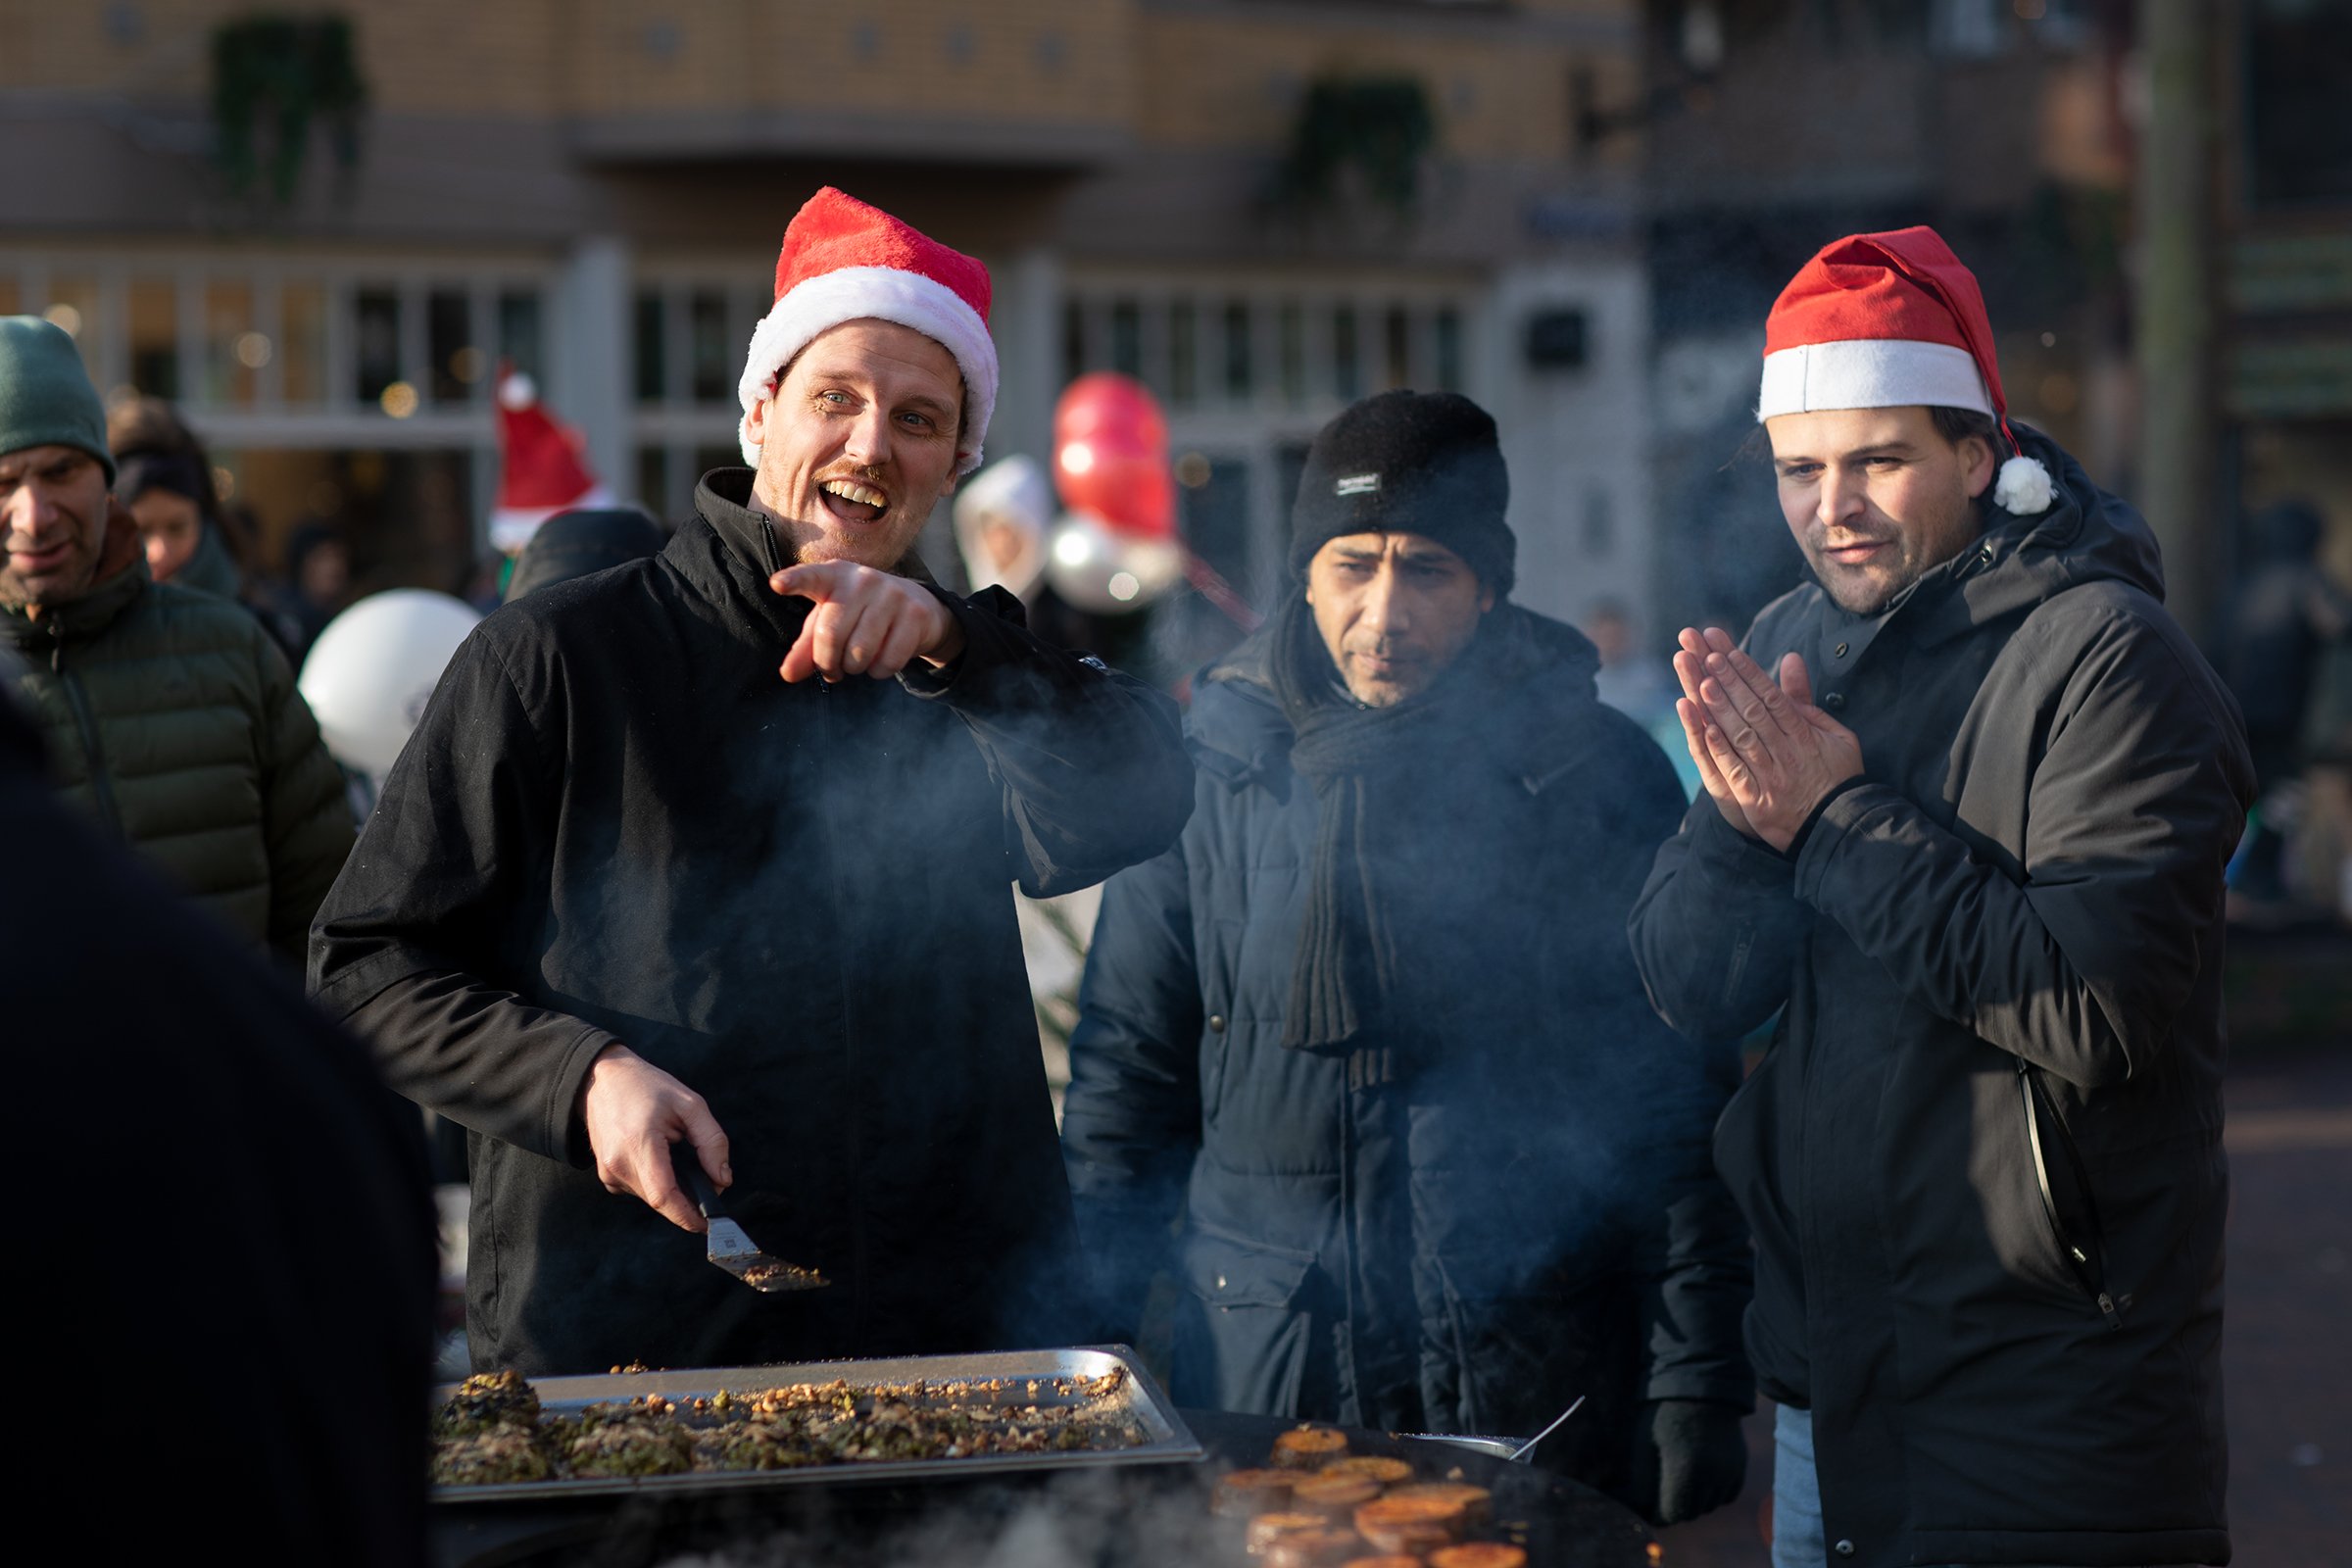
<point>852,501</point>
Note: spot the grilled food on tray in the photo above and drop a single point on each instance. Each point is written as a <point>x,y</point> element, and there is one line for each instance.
<point>493,1431</point>
<point>488,1401</point>
<point>1301,1519</point>
<point>494,1457</point>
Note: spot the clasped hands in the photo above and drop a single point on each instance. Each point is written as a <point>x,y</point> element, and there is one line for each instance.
<point>865,622</point>
<point>1766,755</point>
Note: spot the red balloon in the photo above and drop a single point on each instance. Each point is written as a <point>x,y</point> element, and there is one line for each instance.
<point>1111,406</point>
<point>1134,495</point>
<point>1111,455</point>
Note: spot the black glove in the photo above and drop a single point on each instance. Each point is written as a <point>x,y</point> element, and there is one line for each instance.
<point>1689,1458</point>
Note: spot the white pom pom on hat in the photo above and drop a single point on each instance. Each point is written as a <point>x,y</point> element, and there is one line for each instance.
<point>1890,320</point>
<point>845,261</point>
<point>2024,487</point>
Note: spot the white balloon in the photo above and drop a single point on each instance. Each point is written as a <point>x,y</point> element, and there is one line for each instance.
<point>371,672</point>
<point>1101,571</point>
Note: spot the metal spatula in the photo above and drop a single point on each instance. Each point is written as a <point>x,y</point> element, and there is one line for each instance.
<point>730,1249</point>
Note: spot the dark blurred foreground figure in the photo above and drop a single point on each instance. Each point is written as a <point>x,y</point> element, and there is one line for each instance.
<point>626,889</point>
<point>573,543</point>
<point>249,1239</point>
<point>1372,1028</point>
<point>169,716</point>
<point>1969,844</point>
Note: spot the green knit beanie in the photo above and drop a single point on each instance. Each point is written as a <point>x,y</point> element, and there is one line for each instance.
<point>45,395</point>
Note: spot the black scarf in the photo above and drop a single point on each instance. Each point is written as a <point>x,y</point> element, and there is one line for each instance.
<point>1364,978</point>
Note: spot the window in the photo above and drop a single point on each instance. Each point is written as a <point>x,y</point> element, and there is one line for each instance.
<point>302,347</point>
<point>519,329</point>
<point>1347,371</point>
<point>653,480</point>
<point>651,347</point>
<point>234,351</point>
<point>452,360</point>
<point>155,336</point>
<point>1264,352</point>
<point>1127,338</point>
<point>1184,359</point>
<point>1290,347</point>
<point>74,307</point>
<point>376,312</point>
<point>1237,351</point>
<point>1073,341</point>
<point>710,368</point>
<point>1397,337</point>
<point>1448,333</point>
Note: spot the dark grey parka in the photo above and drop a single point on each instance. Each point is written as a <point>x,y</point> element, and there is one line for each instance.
<point>2000,960</point>
<point>1524,1217</point>
<point>615,823</point>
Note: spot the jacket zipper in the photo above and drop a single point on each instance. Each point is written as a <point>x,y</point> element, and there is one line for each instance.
<point>854,1122</point>
<point>2086,1259</point>
<point>86,722</point>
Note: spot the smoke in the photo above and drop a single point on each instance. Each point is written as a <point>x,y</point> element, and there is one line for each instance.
<point>1076,1520</point>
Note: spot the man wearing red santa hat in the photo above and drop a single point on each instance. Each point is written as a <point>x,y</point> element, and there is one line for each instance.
<point>1968,800</point>
<point>706,857</point>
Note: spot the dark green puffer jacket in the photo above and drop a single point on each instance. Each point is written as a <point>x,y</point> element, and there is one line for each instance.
<point>170,717</point>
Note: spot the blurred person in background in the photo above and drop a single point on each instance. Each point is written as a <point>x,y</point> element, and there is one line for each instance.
<point>315,586</point>
<point>1968,799</point>
<point>1002,518</point>
<point>170,717</point>
<point>1372,1028</point>
<point>1636,683</point>
<point>573,543</point>
<point>709,857</point>
<point>163,478</point>
<point>1003,528</point>
<point>296,1256</point>
<point>2283,619</point>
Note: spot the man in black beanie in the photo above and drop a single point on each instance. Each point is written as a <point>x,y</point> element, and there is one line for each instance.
<point>1372,1030</point>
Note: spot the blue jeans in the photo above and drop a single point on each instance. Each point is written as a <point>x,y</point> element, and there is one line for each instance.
<point>1798,1540</point>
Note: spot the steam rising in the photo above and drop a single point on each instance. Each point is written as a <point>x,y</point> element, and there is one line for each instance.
<point>1076,1520</point>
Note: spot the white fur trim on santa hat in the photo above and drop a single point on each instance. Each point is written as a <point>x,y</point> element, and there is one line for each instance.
<point>1871,373</point>
<point>512,527</point>
<point>879,293</point>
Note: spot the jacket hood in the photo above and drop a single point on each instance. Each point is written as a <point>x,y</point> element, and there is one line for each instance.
<point>1238,731</point>
<point>2086,535</point>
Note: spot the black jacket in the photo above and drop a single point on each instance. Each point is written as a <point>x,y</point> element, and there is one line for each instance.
<point>237,1204</point>
<point>617,822</point>
<point>1527,1215</point>
<point>2022,903</point>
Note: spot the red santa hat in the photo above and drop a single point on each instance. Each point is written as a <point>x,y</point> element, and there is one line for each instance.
<point>541,472</point>
<point>844,260</point>
<point>1892,320</point>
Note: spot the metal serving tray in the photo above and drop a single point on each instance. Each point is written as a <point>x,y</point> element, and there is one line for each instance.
<point>1140,1399</point>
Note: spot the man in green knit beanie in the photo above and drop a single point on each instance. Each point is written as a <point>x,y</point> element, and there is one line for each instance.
<point>167,715</point>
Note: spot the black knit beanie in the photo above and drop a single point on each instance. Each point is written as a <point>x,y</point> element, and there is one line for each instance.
<point>1425,463</point>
